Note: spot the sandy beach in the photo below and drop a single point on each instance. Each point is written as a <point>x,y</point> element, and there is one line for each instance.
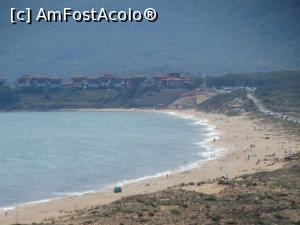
<point>248,146</point>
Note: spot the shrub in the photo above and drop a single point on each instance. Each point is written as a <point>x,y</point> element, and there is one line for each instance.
<point>175,211</point>
<point>215,217</point>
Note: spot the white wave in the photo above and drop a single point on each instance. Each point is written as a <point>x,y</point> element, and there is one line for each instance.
<point>210,152</point>
<point>137,180</point>
<point>6,209</point>
<point>180,115</point>
<point>26,204</point>
<point>201,122</point>
<point>70,194</point>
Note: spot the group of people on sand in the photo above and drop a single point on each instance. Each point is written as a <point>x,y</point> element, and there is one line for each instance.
<point>249,152</point>
<point>215,139</point>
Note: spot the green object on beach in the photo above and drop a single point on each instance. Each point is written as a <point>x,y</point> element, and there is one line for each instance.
<point>117,189</point>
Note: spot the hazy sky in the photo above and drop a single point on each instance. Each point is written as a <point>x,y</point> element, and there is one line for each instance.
<point>196,36</point>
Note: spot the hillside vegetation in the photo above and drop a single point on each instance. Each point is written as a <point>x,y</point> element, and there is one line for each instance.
<point>43,99</point>
<point>262,198</point>
<point>279,91</point>
<point>8,98</point>
<point>230,103</point>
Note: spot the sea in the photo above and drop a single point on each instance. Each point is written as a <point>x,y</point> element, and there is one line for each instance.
<point>50,155</point>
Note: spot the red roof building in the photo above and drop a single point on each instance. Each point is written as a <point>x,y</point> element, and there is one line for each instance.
<point>172,81</point>
<point>34,82</point>
<point>106,81</point>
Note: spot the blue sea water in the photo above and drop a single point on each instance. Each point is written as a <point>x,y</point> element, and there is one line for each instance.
<point>45,155</point>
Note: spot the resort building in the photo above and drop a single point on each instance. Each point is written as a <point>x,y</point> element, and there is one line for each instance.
<point>35,82</point>
<point>168,81</point>
<point>54,82</point>
<point>92,83</point>
<point>67,85</point>
<point>84,82</point>
<point>119,82</point>
<point>106,81</point>
<point>172,81</point>
<point>78,82</point>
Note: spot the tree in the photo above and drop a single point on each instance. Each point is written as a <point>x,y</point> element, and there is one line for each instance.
<point>7,96</point>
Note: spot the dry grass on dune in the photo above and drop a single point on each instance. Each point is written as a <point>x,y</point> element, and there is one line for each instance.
<point>261,198</point>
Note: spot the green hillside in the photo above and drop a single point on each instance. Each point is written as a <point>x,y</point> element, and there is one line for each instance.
<point>279,91</point>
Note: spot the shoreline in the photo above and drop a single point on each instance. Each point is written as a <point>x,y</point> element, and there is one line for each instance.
<point>207,170</point>
<point>210,133</point>
<point>85,110</point>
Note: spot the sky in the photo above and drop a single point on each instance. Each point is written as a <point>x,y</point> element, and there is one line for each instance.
<point>192,37</point>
